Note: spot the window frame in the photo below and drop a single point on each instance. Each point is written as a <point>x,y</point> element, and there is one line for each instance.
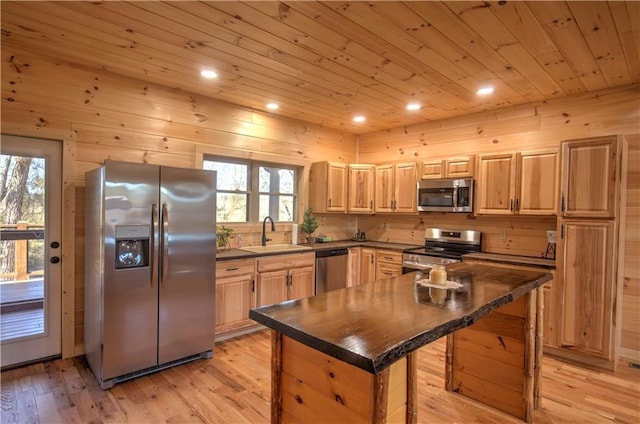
<point>253,180</point>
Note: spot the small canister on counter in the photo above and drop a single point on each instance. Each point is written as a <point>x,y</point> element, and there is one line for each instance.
<point>438,274</point>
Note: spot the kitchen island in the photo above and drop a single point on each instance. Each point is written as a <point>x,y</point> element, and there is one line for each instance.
<point>349,355</point>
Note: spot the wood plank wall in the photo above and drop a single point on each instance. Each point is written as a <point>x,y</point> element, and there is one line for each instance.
<point>115,117</point>
<point>529,127</point>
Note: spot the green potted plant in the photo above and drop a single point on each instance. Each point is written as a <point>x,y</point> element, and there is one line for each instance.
<point>309,225</point>
<point>224,238</point>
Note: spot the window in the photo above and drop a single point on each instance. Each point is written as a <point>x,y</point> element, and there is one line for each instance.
<point>248,191</point>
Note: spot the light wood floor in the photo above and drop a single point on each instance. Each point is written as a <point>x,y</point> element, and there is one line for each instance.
<point>234,387</point>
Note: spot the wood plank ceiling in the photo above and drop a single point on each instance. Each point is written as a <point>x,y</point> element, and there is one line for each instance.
<point>325,62</point>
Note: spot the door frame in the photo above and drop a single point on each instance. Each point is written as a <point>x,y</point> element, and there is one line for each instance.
<point>48,343</point>
<point>70,347</point>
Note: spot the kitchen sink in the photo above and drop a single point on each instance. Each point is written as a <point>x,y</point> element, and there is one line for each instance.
<point>275,248</point>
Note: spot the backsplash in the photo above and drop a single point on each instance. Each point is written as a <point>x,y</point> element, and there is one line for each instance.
<point>520,235</point>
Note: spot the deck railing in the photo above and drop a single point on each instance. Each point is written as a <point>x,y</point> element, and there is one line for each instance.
<point>21,233</point>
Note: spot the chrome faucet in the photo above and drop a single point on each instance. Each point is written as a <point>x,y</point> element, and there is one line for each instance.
<point>264,234</point>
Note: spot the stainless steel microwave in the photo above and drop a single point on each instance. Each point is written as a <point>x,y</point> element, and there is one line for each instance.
<point>445,195</point>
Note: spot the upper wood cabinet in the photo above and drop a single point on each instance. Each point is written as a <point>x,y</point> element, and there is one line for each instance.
<point>395,189</point>
<point>361,188</point>
<point>589,163</point>
<point>518,183</point>
<point>537,191</point>
<point>447,168</point>
<point>328,187</point>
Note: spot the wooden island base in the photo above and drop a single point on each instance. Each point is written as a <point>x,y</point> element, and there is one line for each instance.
<point>309,386</point>
<point>494,361</point>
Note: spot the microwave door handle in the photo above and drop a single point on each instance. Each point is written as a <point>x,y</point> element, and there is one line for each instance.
<point>455,199</point>
<point>165,244</point>
<point>152,247</point>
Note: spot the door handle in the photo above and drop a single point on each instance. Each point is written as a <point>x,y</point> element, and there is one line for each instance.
<point>54,260</point>
<point>165,243</point>
<point>152,248</point>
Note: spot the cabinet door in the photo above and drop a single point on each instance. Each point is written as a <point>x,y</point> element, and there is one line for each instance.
<point>384,188</point>
<point>367,266</point>
<point>301,283</point>
<point>589,178</point>
<point>538,183</point>
<point>235,296</point>
<point>272,287</point>
<point>588,286</point>
<point>337,187</point>
<point>496,184</point>
<point>459,168</point>
<point>361,188</point>
<point>328,187</point>
<point>353,275</point>
<point>405,187</point>
<point>432,169</point>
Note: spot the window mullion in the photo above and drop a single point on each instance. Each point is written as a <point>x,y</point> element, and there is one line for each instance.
<point>254,193</point>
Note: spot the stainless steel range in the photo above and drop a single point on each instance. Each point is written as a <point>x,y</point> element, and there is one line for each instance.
<point>441,247</point>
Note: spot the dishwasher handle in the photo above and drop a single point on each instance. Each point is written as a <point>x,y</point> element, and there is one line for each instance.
<point>332,252</point>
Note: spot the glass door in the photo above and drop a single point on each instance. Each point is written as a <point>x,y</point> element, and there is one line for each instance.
<point>30,251</point>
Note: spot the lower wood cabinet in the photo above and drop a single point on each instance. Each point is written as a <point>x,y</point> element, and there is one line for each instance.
<point>388,263</point>
<point>367,266</point>
<point>588,288</point>
<point>235,294</point>
<point>285,277</point>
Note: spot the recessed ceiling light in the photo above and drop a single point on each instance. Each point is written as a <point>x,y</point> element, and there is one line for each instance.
<point>359,118</point>
<point>209,73</point>
<point>484,91</point>
<point>413,106</point>
<point>272,106</point>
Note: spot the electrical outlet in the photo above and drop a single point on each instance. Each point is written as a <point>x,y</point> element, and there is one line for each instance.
<point>503,234</point>
<point>387,226</point>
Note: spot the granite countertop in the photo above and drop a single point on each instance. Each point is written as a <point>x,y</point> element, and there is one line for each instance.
<point>341,244</point>
<point>373,325</point>
<point>512,259</point>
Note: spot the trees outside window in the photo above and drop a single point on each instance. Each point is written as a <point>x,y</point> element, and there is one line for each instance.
<point>248,191</point>
<point>21,200</point>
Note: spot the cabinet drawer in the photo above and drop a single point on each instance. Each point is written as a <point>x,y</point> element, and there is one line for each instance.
<point>288,261</point>
<point>385,271</point>
<point>235,267</point>
<point>390,256</point>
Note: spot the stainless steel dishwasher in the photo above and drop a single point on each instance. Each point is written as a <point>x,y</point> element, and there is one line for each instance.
<point>331,269</point>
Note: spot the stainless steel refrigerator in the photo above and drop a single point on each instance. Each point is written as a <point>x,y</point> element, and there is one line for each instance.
<point>150,254</point>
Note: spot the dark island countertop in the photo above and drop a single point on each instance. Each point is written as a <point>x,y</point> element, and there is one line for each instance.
<point>373,325</point>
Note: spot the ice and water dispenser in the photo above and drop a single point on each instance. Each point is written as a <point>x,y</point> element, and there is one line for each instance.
<point>132,246</point>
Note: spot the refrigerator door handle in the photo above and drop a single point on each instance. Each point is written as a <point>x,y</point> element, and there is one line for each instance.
<point>165,243</point>
<point>152,247</point>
